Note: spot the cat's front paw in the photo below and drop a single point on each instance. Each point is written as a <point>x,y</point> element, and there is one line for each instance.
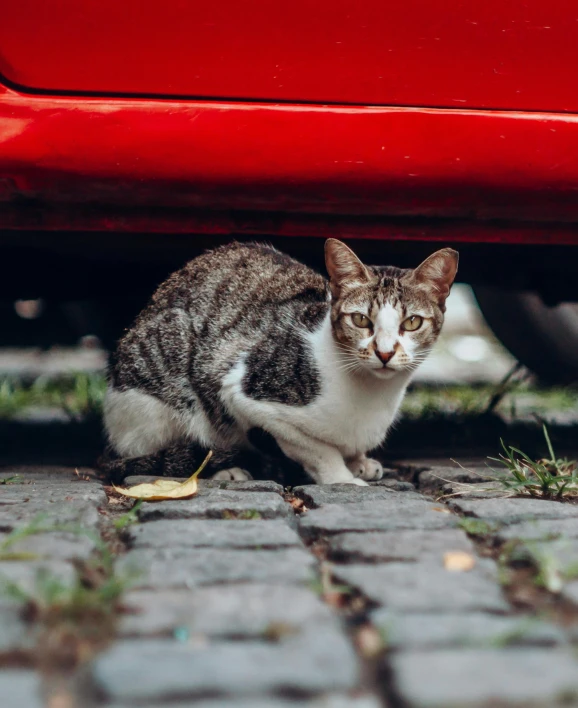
<point>367,469</point>
<point>233,474</point>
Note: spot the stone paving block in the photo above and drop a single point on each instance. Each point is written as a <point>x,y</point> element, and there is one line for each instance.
<point>49,493</point>
<point>453,678</point>
<point>27,575</point>
<point>383,515</point>
<point>52,474</point>
<point>398,545</point>
<point>20,688</point>
<point>570,592</point>
<point>223,611</point>
<point>151,670</point>
<point>434,479</point>
<point>316,495</point>
<point>514,510</point>
<point>16,635</point>
<point>398,485</point>
<point>485,490</point>
<point>472,629</point>
<point>192,567</point>
<point>423,464</point>
<point>540,530</point>
<point>426,587</point>
<point>561,554</point>
<point>213,533</point>
<point>56,544</point>
<point>323,701</point>
<point>218,504</point>
<point>250,485</point>
<point>14,516</point>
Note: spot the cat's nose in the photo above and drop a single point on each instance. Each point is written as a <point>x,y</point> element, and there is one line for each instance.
<point>384,356</point>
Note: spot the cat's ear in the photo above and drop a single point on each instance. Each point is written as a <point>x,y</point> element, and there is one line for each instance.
<point>344,267</point>
<point>437,273</point>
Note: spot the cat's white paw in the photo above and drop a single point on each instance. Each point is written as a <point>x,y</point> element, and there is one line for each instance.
<point>233,474</point>
<point>359,482</point>
<point>366,468</point>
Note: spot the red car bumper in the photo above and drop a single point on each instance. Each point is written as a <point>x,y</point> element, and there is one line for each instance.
<point>212,167</point>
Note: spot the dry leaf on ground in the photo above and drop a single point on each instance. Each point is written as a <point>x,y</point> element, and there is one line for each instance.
<point>459,561</point>
<point>298,505</point>
<point>369,641</point>
<point>162,489</point>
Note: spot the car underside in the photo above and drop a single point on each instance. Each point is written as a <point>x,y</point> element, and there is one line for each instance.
<point>374,124</point>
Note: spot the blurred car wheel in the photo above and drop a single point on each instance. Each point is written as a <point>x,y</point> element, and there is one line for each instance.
<point>543,338</point>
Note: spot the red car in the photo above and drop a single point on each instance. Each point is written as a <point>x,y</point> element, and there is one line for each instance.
<point>132,134</point>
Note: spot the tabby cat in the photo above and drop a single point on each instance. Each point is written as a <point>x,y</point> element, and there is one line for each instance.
<point>249,353</point>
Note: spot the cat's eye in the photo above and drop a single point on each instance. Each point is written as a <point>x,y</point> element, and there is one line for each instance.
<point>412,323</point>
<point>360,320</point>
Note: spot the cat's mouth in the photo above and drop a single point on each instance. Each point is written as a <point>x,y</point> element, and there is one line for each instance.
<point>384,372</point>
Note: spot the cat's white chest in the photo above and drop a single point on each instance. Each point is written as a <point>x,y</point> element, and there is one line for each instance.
<point>353,414</point>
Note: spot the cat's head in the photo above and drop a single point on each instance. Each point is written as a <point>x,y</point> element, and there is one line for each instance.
<point>386,320</point>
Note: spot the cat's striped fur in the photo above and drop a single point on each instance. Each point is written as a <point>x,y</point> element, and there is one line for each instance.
<point>247,350</point>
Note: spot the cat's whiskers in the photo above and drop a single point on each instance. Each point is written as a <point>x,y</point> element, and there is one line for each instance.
<point>418,359</point>
<point>347,363</point>
<point>350,362</point>
<point>347,348</point>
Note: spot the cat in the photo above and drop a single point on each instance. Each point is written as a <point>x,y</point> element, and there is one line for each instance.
<point>252,354</point>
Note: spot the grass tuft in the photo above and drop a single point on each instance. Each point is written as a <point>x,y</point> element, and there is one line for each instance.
<point>13,479</point>
<point>476,527</point>
<point>245,515</point>
<point>547,478</point>
<point>547,571</point>
<point>76,618</point>
<point>79,395</point>
<point>129,518</point>
<point>551,478</point>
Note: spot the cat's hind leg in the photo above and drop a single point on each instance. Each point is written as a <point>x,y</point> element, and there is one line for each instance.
<point>138,424</point>
<point>181,460</point>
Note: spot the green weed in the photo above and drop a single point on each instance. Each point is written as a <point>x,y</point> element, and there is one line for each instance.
<point>250,514</point>
<point>515,635</point>
<point>547,570</point>
<point>77,616</point>
<point>246,515</point>
<point>14,479</point>
<point>79,395</point>
<point>547,478</point>
<point>129,518</point>
<point>512,396</point>
<point>476,527</point>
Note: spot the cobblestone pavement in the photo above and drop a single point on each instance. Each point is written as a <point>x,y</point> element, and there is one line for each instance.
<point>248,596</point>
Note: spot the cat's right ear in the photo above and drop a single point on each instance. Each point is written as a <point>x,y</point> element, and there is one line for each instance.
<point>344,267</point>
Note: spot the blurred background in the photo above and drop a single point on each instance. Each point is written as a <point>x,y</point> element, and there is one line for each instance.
<point>469,372</point>
<point>467,351</point>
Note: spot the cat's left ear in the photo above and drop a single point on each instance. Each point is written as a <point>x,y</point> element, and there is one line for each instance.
<point>438,273</point>
<point>344,267</point>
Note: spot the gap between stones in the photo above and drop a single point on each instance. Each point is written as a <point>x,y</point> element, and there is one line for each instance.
<point>71,630</point>
<point>518,573</point>
<point>519,589</point>
<point>352,607</point>
<point>348,603</point>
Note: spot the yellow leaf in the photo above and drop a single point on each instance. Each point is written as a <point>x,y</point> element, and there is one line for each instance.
<point>162,489</point>
<point>459,561</point>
